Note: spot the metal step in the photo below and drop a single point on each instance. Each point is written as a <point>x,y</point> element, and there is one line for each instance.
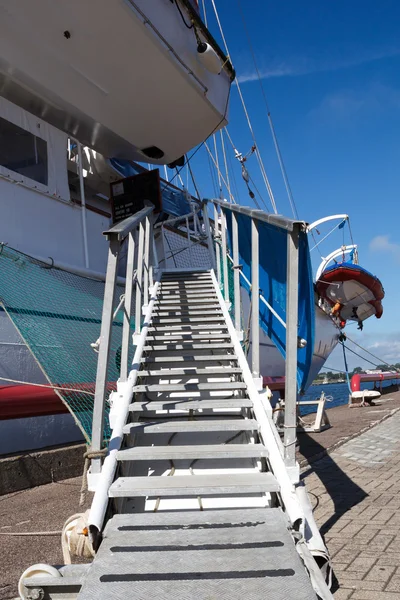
<point>210,452</point>
<point>178,276</point>
<point>188,286</point>
<point>187,307</point>
<point>181,293</point>
<point>184,335</point>
<point>187,319</point>
<point>184,404</point>
<point>209,358</point>
<point>197,485</point>
<point>236,554</point>
<point>183,327</point>
<point>191,303</point>
<point>192,426</point>
<point>190,387</point>
<point>190,372</point>
<point>189,346</point>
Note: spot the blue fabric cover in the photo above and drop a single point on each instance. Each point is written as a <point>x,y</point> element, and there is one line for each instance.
<point>273,262</point>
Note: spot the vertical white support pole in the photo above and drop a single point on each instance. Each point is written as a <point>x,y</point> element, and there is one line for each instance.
<point>255,301</point>
<point>208,232</point>
<point>151,255</point>
<point>217,246</point>
<point>104,352</point>
<point>83,205</point>
<point>127,307</point>
<point>139,281</point>
<point>224,251</point>
<point>236,273</point>
<point>292,282</point>
<point>188,240</point>
<point>146,266</point>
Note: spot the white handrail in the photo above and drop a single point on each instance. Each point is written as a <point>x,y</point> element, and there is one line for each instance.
<point>100,500</point>
<point>264,418</point>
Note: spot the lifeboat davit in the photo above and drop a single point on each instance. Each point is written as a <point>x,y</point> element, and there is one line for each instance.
<point>353,292</point>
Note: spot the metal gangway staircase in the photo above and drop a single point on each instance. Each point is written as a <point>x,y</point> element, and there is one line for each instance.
<point>194,498</point>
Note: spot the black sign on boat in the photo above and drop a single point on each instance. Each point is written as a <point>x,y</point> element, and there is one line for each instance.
<point>129,195</point>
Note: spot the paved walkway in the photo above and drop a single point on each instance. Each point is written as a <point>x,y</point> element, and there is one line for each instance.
<point>356,493</point>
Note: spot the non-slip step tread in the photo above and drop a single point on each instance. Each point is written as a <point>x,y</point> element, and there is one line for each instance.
<point>190,387</point>
<point>193,358</point>
<point>195,405</point>
<point>180,555</point>
<point>194,485</point>
<point>190,371</point>
<point>193,336</point>
<point>188,327</point>
<point>189,346</point>
<point>206,452</point>
<point>186,320</point>
<point>192,426</point>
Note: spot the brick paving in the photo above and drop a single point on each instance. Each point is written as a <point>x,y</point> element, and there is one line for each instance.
<point>356,494</point>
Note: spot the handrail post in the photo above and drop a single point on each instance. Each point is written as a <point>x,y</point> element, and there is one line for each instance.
<point>139,281</point>
<point>255,301</point>
<point>127,307</point>
<point>217,246</point>
<point>146,265</point>
<point>292,281</point>
<point>104,352</point>
<point>236,273</point>
<point>206,222</point>
<point>224,255</point>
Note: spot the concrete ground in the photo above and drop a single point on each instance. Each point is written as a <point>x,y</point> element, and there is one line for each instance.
<point>355,489</point>
<point>44,508</point>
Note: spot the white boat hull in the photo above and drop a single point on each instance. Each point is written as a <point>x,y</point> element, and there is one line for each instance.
<point>95,71</point>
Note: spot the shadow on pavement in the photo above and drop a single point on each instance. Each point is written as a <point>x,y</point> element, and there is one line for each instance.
<point>341,488</point>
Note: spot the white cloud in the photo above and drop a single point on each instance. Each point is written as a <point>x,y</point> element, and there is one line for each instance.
<point>299,66</point>
<point>347,103</point>
<point>382,243</point>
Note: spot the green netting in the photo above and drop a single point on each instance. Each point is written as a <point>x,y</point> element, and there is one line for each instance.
<point>231,288</point>
<point>58,314</point>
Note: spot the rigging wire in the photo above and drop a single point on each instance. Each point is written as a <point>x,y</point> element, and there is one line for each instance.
<point>346,367</point>
<point>219,172</point>
<point>216,162</point>
<point>359,355</point>
<point>225,163</point>
<point>327,235</point>
<point>204,13</point>
<point>271,124</point>
<point>245,173</point>
<point>194,181</point>
<point>331,369</point>
<point>213,179</point>
<point>370,353</point>
<point>234,183</point>
<point>257,152</point>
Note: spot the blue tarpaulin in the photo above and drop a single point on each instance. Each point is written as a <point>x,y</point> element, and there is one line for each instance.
<point>272,274</point>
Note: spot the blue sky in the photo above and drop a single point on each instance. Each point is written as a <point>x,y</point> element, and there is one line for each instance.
<point>331,73</point>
